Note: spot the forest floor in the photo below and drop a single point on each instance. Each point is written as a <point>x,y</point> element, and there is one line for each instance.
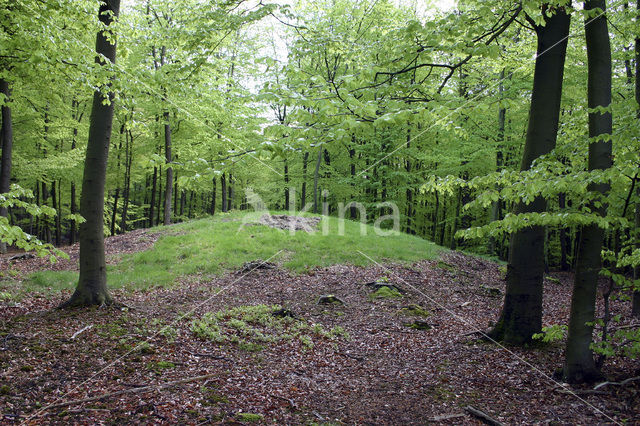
<point>270,353</point>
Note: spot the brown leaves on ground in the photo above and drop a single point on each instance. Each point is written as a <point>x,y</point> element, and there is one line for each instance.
<point>385,373</point>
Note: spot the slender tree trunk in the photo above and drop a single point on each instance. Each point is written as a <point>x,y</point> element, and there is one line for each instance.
<point>169,184</point>
<point>521,314</point>
<point>565,240</point>
<point>6,138</point>
<point>54,202</point>
<point>77,116</point>
<point>315,181</point>
<point>213,197</point>
<point>127,180</point>
<point>223,189</point>
<point>116,199</point>
<point>502,113</point>
<point>286,185</point>
<point>230,199</point>
<point>303,196</point>
<point>152,204</point>
<point>159,208</point>
<point>92,284</point>
<point>635,307</point>
<point>579,364</point>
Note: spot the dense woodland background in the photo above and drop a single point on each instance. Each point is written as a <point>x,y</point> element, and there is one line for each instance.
<point>339,100</point>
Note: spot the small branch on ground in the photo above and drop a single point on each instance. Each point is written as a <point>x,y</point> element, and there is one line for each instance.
<point>482,416</point>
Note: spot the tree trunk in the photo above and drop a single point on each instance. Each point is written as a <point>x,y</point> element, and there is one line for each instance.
<point>579,364</point>
<point>230,199</point>
<point>127,180</point>
<point>315,181</point>
<point>495,206</point>
<point>77,116</point>
<point>521,314</point>
<point>565,240</point>
<point>92,284</point>
<point>635,307</point>
<point>57,205</point>
<point>223,190</point>
<point>168,190</point>
<point>286,185</point>
<point>6,138</point>
<point>116,199</point>
<point>213,197</point>
<point>303,196</point>
<point>152,204</point>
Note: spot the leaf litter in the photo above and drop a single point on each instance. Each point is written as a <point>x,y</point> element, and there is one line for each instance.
<point>379,372</point>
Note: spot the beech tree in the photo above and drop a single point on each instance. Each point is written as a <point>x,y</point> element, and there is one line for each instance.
<point>579,365</point>
<point>521,315</point>
<point>92,283</point>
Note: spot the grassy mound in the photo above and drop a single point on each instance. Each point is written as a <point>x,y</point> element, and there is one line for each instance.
<point>208,247</point>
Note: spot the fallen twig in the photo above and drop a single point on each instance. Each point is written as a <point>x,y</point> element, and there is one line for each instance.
<point>126,391</point>
<point>79,332</point>
<point>622,383</point>
<point>203,355</point>
<point>482,416</point>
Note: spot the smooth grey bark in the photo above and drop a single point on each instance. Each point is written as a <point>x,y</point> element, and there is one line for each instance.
<point>92,283</point>
<point>6,138</point>
<point>521,314</point>
<point>579,365</point>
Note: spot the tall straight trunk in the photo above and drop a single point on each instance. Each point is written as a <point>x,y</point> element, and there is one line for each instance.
<point>152,203</point>
<point>286,184</point>
<point>127,181</point>
<point>175,192</point>
<point>46,230</point>
<point>435,217</point>
<point>168,190</point>
<point>521,314</point>
<point>116,199</point>
<point>352,167</point>
<point>230,199</point>
<point>213,197</point>
<point>6,138</point>
<point>502,113</point>
<point>56,205</point>
<point>92,283</point>
<point>77,116</point>
<point>303,196</point>
<point>579,365</point>
<point>183,201</point>
<point>565,240</point>
<point>223,189</point>
<point>315,181</point>
<point>635,304</point>
<point>409,191</point>
<point>159,208</point>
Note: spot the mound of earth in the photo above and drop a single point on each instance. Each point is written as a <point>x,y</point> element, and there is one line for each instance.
<point>296,223</point>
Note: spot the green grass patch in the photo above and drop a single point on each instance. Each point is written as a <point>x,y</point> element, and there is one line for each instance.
<point>251,327</point>
<point>385,293</point>
<point>208,247</point>
<point>250,417</point>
